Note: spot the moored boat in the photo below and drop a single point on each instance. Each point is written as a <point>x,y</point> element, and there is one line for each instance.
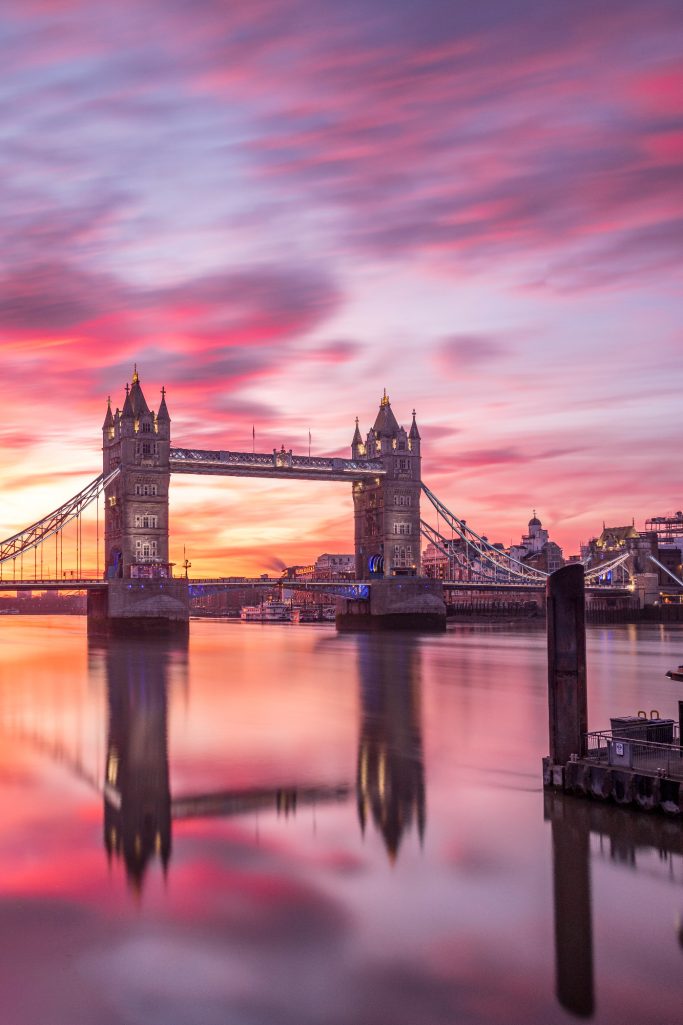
<point>266,612</point>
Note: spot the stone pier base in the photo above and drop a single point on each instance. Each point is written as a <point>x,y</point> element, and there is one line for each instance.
<point>398,603</point>
<point>140,607</point>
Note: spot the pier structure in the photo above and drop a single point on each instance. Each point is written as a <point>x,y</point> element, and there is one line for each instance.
<point>639,760</point>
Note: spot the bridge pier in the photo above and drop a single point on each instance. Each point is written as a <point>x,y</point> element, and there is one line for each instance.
<point>157,606</point>
<point>398,603</point>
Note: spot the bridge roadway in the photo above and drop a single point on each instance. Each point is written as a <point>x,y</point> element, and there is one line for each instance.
<point>337,588</point>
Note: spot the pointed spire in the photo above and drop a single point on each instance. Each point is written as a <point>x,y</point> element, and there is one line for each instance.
<point>127,410</point>
<point>138,403</point>
<point>357,440</point>
<point>385,424</point>
<point>163,408</point>
<point>414,433</point>
<point>109,419</point>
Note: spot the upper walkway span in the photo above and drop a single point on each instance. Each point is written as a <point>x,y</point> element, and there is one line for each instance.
<point>280,464</point>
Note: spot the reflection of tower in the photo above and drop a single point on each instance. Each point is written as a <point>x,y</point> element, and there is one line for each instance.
<point>390,782</point>
<point>137,804</point>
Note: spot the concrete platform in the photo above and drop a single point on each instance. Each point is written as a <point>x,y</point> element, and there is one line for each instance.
<point>629,787</point>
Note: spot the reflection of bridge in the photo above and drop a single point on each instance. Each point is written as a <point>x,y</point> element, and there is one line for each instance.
<point>138,806</point>
<point>136,583</point>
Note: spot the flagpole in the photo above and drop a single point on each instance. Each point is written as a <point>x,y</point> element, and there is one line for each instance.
<point>253,438</point>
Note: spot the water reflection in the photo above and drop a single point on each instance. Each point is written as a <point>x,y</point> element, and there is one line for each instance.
<point>622,835</point>
<point>572,904</point>
<point>137,794</point>
<point>463,932</point>
<point>139,808</point>
<point>390,777</point>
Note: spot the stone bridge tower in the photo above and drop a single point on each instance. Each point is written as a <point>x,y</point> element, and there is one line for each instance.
<point>140,597</point>
<point>387,509</point>
<point>137,440</point>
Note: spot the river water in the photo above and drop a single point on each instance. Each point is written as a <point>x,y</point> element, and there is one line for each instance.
<point>278,824</point>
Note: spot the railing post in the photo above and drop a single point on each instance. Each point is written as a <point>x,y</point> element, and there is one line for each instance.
<point>567,699</point>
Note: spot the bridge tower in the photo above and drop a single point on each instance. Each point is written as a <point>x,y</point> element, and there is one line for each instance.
<point>141,596</point>
<point>387,509</point>
<point>137,440</point>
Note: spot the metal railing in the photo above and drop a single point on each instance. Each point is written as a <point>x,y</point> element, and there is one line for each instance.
<point>624,748</point>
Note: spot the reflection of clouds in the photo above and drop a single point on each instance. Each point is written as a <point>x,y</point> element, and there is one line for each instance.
<point>173,979</point>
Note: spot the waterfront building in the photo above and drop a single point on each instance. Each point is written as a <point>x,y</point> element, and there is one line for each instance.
<point>621,540</point>
<point>669,529</point>
<point>334,567</point>
<point>446,563</point>
<point>299,572</point>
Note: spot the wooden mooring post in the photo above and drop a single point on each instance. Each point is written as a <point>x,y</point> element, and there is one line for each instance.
<point>567,697</point>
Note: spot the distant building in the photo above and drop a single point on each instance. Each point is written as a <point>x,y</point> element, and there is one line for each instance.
<point>435,562</point>
<point>447,563</point>
<point>622,540</point>
<point>669,529</point>
<point>298,573</point>
<point>334,567</point>
<point>536,549</point>
<point>669,533</point>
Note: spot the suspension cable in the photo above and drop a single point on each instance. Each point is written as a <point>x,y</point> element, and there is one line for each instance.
<point>54,523</point>
<point>500,560</point>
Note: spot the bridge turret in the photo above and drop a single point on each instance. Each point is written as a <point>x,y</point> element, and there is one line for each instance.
<point>357,446</point>
<point>108,425</point>
<point>163,420</point>
<point>414,436</point>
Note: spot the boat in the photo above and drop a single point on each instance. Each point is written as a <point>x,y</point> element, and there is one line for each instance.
<point>676,674</point>
<point>266,612</point>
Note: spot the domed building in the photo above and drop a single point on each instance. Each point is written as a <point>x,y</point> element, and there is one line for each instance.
<point>536,549</point>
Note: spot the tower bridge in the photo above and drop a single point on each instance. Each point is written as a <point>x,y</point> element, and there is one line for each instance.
<point>138,590</point>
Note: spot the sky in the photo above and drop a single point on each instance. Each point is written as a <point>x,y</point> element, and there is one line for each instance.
<point>278,208</point>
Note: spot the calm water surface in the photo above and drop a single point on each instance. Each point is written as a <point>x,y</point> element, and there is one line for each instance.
<point>277,824</point>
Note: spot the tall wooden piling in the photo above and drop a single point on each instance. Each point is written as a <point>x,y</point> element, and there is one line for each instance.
<point>567,701</point>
